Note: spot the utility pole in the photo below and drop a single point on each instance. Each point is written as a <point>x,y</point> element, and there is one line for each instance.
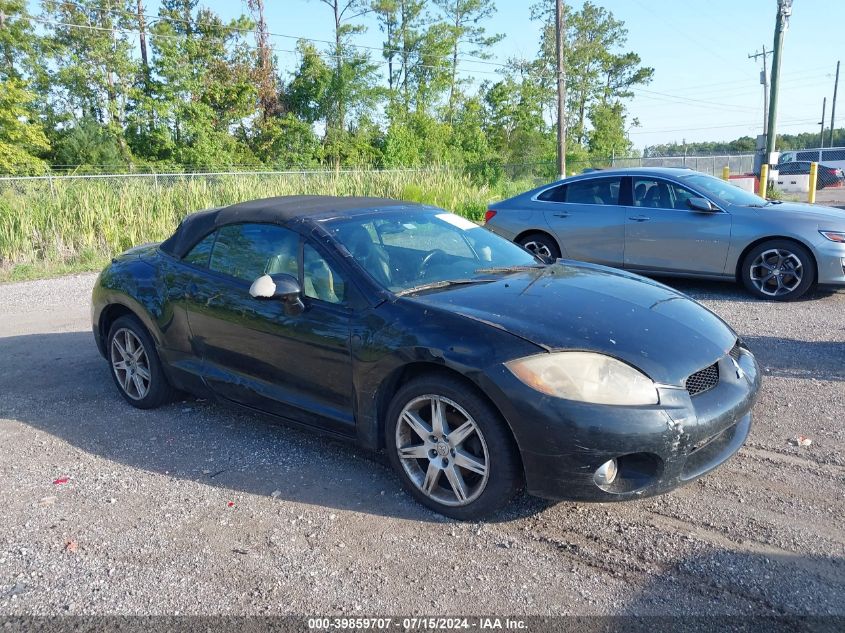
<point>560,36</point>
<point>833,106</point>
<point>821,136</point>
<point>781,25</point>
<point>764,81</point>
<point>142,43</point>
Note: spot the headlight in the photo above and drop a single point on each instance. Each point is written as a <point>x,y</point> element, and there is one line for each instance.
<point>834,236</point>
<point>586,377</point>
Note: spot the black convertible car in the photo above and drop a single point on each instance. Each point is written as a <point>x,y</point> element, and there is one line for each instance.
<point>477,366</point>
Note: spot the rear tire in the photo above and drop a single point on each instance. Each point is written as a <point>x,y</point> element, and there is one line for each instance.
<point>466,470</point>
<point>540,244</point>
<point>778,270</point>
<point>135,366</point>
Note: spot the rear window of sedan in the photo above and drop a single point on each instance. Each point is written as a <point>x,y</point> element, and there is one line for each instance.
<point>592,191</point>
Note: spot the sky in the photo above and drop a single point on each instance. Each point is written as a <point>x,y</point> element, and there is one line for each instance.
<point>705,88</point>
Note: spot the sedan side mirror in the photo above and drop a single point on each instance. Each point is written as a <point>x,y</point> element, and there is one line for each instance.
<point>279,286</point>
<point>701,204</point>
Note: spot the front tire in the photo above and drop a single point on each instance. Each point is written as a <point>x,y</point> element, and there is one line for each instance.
<point>778,270</point>
<point>540,244</point>
<point>135,365</point>
<point>451,448</point>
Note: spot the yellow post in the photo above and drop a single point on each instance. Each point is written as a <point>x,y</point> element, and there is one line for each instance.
<point>726,173</point>
<point>814,176</point>
<point>764,180</point>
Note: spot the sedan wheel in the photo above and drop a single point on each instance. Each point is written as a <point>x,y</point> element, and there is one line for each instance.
<point>442,450</point>
<point>135,365</point>
<point>451,448</point>
<point>541,245</point>
<point>778,270</point>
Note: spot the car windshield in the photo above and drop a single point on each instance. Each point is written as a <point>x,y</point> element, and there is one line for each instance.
<point>724,190</point>
<point>426,249</point>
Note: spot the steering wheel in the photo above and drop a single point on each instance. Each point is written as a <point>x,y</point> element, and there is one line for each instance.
<point>427,259</point>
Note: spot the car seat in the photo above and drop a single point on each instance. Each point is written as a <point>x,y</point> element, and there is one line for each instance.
<point>370,255</point>
<point>318,280</point>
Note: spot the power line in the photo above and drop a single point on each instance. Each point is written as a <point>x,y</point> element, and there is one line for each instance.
<point>474,59</point>
<point>718,127</point>
<point>219,41</point>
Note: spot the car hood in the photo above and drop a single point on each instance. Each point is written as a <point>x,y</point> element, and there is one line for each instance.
<point>575,306</point>
<point>811,212</point>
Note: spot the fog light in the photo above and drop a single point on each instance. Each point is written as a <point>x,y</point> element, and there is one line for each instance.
<point>606,473</point>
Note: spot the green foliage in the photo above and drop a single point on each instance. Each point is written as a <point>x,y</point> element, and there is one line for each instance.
<point>72,221</point>
<point>463,23</point>
<point>597,71</point>
<point>21,137</point>
<point>204,96</point>
<point>88,144</point>
<point>746,144</point>
<point>608,137</point>
<point>285,142</point>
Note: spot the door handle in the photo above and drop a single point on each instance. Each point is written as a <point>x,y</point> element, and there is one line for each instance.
<point>640,218</point>
<point>561,215</point>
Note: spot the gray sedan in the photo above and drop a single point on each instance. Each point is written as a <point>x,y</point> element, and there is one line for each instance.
<point>678,222</point>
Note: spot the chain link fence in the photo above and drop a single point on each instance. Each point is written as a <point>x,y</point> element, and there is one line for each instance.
<point>831,190</point>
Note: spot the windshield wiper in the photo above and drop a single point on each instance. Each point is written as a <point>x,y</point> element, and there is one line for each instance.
<point>434,285</point>
<point>510,269</point>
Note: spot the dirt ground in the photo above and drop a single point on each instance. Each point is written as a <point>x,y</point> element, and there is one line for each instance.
<point>194,509</point>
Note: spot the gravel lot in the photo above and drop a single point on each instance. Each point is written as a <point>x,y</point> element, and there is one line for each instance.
<point>194,509</point>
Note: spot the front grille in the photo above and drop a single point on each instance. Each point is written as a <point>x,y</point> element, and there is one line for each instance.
<point>703,380</point>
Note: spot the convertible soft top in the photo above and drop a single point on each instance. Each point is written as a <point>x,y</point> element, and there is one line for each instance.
<point>277,210</point>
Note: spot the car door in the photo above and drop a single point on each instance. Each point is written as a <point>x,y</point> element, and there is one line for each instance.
<point>586,219</point>
<point>254,352</point>
<point>662,233</point>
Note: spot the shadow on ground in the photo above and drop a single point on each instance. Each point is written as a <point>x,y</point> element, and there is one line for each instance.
<point>729,291</point>
<point>731,590</point>
<point>59,384</point>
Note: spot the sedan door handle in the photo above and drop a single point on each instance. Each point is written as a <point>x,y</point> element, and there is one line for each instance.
<point>640,218</point>
<point>561,215</point>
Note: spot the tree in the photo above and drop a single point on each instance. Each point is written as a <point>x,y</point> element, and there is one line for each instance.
<point>403,22</point>
<point>284,141</point>
<point>464,18</point>
<point>203,88</point>
<point>308,92</point>
<point>94,67</point>
<point>19,46</point>
<point>86,144</point>
<point>515,125</point>
<point>352,88</point>
<point>265,71</point>
<point>21,138</point>
<point>595,70</point>
<point>608,137</point>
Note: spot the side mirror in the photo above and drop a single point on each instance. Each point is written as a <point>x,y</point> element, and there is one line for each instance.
<point>279,286</point>
<point>701,204</point>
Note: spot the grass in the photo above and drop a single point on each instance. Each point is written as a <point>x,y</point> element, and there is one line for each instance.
<point>75,225</point>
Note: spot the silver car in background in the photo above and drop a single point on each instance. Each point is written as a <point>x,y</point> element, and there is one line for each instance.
<point>679,222</point>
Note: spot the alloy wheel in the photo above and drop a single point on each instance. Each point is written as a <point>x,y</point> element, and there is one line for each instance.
<point>442,450</point>
<point>776,272</point>
<point>130,364</point>
<point>538,248</point>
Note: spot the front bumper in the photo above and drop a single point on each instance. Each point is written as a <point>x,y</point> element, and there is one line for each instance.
<point>830,261</point>
<point>657,448</point>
